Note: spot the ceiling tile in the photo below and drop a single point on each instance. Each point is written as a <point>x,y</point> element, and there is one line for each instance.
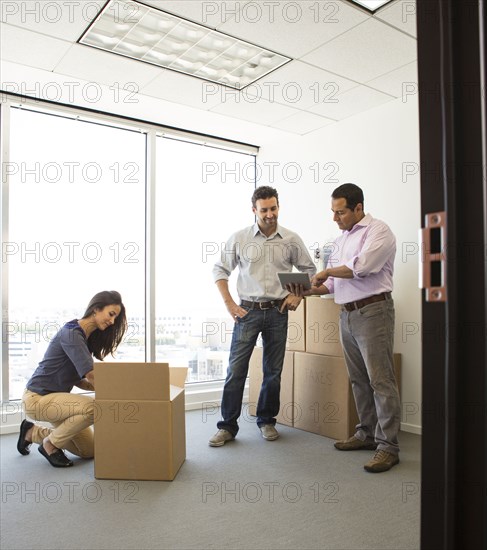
<point>352,102</point>
<point>399,83</point>
<point>302,123</point>
<point>259,111</point>
<point>299,85</point>
<point>365,52</point>
<point>210,13</point>
<point>66,19</point>
<point>30,48</point>
<point>292,28</point>
<point>186,90</point>
<point>95,65</point>
<point>401,14</point>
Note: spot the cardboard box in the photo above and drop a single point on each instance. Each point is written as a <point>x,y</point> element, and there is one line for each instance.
<point>322,395</point>
<point>139,421</point>
<point>286,412</point>
<point>296,331</point>
<point>323,326</point>
<point>323,398</point>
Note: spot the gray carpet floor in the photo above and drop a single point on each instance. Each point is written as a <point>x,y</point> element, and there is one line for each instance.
<point>297,492</point>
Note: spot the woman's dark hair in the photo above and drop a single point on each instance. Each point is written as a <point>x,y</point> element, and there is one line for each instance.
<point>264,192</point>
<point>103,342</point>
<point>351,192</point>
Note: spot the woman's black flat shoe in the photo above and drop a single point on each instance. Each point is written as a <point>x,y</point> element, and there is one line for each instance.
<point>57,459</point>
<point>23,446</point>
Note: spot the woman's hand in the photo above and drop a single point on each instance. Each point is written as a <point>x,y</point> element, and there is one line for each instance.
<point>90,379</point>
<point>85,385</point>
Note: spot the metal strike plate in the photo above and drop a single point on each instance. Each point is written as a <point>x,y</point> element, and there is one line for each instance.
<point>433,257</point>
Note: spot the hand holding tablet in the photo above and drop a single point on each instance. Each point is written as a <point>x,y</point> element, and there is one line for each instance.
<point>294,279</point>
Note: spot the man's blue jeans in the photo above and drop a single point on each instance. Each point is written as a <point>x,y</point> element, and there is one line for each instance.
<point>273,326</point>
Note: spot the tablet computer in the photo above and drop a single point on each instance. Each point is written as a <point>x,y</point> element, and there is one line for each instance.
<point>296,279</point>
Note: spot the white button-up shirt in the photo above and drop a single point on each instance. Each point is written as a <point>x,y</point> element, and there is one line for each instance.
<point>260,259</point>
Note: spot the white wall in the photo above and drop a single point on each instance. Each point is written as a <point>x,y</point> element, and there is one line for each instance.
<point>378,150</point>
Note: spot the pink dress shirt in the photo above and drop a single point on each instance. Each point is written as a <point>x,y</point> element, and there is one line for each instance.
<point>368,249</point>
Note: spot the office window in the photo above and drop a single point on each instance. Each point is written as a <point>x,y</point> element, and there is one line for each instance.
<point>76,227</point>
<point>203,195</point>
<point>77,217</point>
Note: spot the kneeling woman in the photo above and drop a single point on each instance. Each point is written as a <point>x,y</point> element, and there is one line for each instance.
<point>68,362</point>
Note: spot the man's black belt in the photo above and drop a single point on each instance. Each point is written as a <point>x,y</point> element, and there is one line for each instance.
<point>261,305</point>
<point>366,301</point>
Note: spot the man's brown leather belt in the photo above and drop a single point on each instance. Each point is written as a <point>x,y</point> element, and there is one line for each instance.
<point>366,301</point>
<point>261,305</point>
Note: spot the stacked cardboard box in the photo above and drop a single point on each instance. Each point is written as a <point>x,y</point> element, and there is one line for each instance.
<point>322,391</point>
<point>316,393</point>
<point>286,412</point>
<point>139,421</point>
<point>296,329</point>
<point>322,326</point>
<point>323,398</point>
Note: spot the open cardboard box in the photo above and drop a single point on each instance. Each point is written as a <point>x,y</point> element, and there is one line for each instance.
<point>139,421</point>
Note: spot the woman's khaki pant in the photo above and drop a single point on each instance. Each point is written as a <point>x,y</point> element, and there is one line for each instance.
<point>72,416</point>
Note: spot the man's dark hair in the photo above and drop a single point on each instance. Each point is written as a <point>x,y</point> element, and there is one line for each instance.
<point>264,192</point>
<point>351,192</point>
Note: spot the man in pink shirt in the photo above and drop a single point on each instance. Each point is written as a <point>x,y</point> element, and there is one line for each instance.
<point>360,276</point>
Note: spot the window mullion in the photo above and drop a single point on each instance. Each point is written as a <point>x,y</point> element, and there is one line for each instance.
<point>150,255</point>
<point>4,207</point>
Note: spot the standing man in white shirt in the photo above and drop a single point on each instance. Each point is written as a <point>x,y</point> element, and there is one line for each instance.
<point>360,276</point>
<point>260,251</point>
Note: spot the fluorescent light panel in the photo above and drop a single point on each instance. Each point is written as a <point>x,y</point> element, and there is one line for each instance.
<point>154,36</point>
<point>371,5</point>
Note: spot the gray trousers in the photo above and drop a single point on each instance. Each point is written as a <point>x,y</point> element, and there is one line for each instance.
<point>367,337</point>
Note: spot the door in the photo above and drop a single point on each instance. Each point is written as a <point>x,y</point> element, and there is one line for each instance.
<point>451,69</point>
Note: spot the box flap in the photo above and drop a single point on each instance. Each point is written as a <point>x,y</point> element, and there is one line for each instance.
<point>175,391</point>
<point>132,381</point>
<point>177,376</point>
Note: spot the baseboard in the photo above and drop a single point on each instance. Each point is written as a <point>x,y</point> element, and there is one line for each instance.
<point>208,402</point>
<point>411,428</point>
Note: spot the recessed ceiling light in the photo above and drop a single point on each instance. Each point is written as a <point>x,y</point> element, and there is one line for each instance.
<point>371,5</point>
<point>144,33</point>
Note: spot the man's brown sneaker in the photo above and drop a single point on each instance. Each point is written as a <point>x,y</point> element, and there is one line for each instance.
<point>355,444</point>
<point>382,462</point>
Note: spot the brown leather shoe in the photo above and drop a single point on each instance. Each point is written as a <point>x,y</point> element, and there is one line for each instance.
<point>381,462</point>
<point>355,444</point>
